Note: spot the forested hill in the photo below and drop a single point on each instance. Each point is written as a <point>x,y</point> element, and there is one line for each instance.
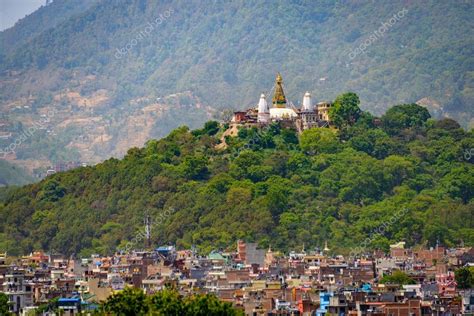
<point>405,172</point>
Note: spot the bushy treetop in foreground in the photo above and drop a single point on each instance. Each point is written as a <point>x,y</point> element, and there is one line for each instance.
<point>133,302</point>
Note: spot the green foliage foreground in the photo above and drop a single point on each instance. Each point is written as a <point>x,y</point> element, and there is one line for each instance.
<point>465,278</point>
<point>397,277</point>
<point>4,307</point>
<point>269,186</point>
<point>132,301</point>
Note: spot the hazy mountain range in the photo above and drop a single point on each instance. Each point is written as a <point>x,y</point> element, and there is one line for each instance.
<point>98,77</point>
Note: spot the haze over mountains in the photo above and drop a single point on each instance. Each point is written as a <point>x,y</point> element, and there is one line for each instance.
<point>183,62</point>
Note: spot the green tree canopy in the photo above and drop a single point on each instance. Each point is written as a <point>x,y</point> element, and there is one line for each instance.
<point>168,302</point>
<point>397,277</point>
<point>129,302</point>
<point>4,307</point>
<point>319,140</point>
<point>345,110</point>
<point>465,278</point>
<point>404,116</point>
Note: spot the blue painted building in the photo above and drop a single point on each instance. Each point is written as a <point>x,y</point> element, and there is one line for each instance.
<point>324,303</point>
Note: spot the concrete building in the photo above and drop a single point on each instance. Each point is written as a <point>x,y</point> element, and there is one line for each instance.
<point>18,290</point>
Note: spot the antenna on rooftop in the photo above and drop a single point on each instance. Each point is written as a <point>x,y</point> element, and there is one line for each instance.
<point>147,230</point>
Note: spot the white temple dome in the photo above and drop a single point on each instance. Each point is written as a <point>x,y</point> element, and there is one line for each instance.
<point>262,104</point>
<point>307,105</point>
<point>282,113</point>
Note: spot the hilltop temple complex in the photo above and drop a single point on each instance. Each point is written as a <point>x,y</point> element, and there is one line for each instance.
<point>308,116</point>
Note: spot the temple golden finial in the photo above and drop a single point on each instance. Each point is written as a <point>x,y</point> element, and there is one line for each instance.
<point>279,99</point>
<point>279,79</point>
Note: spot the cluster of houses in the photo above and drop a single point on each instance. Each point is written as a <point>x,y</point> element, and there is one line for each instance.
<point>258,281</point>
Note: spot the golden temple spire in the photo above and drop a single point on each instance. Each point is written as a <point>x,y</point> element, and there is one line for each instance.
<point>279,99</point>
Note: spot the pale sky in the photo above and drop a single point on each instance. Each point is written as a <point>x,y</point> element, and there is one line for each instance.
<point>13,10</point>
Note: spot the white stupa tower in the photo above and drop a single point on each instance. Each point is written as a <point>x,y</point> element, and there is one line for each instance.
<point>309,115</point>
<point>307,105</point>
<point>263,110</point>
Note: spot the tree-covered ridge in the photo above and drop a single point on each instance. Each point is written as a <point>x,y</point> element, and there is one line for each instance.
<point>269,185</point>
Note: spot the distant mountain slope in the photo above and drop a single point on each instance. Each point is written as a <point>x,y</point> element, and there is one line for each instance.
<point>224,47</point>
<point>39,21</point>
<point>104,66</point>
